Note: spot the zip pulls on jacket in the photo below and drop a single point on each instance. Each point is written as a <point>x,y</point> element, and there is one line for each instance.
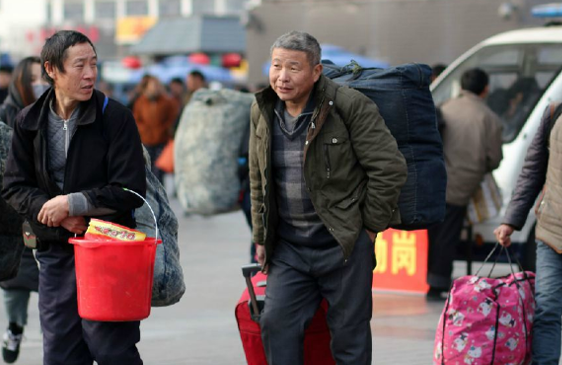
<point>66,136</point>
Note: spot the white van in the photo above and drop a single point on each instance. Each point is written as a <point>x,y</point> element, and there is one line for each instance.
<point>525,77</point>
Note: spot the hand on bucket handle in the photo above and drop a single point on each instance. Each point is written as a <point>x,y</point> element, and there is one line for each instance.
<point>151,211</point>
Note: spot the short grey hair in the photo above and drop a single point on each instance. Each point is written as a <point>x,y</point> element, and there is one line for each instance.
<point>300,41</point>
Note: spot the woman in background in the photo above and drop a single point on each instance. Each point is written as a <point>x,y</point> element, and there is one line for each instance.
<point>26,86</point>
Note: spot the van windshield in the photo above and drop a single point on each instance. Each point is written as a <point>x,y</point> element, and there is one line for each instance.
<point>519,75</point>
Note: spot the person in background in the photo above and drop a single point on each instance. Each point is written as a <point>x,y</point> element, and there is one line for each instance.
<point>27,86</point>
<point>436,70</point>
<point>106,88</point>
<point>70,159</point>
<point>541,173</point>
<point>178,91</point>
<point>5,79</point>
<point>472,146</point>
<point>195,81</point>
<point>155,114</point>
<point>134,93</point>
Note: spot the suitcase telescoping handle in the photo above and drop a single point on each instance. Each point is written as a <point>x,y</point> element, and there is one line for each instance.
<point>247,271</point>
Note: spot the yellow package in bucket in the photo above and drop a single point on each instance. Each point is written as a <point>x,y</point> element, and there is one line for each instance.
<point>102,230</point>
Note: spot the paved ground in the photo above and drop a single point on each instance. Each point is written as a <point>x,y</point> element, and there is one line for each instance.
<point>201,329</point>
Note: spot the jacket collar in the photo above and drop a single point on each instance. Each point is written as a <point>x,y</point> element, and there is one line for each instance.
<point>470,95</point>
<point>38,114</point>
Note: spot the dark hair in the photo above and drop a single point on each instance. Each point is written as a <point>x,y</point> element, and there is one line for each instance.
<point>146,80</point>
<point>198,74</point>
<point>21,79</point>
<point>474,80</point>
<point>437,69</point>
<point>55,50</point>
<point>177,80</point>
<point>7,69</point>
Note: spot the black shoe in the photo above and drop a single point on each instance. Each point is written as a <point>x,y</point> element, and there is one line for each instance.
<point>436,294</point>
<point>11,346</point>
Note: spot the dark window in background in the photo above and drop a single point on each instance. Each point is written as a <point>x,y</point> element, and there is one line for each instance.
<point>169,8</point>
<point>137,7</point>
<point>105,9</point>
<point>519,75</point>
<point>73,10</point>
<point>203,6</point>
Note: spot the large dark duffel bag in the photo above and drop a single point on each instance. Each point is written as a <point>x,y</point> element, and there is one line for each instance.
<point>405,102</point>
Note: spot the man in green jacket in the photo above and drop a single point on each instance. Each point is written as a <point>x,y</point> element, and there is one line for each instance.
<point>325,176</point>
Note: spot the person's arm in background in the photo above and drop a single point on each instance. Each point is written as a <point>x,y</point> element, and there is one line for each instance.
<point>529,184</point>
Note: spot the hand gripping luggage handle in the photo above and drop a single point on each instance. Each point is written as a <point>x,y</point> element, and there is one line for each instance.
<point>151,211</point>
<point>247,271</point>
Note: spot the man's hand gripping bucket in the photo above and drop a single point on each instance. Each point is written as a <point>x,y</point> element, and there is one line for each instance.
<point>114,278</point>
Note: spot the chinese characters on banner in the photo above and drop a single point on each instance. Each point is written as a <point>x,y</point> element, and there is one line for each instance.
<point>401,261</point>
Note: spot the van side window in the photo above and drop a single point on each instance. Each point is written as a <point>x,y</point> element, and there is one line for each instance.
<point>519,75</point>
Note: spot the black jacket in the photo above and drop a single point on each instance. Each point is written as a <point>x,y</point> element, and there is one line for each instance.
<point>532,177</point>
<point>105,155</point>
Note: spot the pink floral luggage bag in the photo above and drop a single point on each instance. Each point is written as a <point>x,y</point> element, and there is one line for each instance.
<point>487,321</point>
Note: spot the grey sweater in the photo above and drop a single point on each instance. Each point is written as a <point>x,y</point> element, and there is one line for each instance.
<point>298,221</point>
<point>59,136</point>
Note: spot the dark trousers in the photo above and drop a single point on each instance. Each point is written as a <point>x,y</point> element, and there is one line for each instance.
<point>299,277</point>
<point>443,241</point>
<point>154,152</point>
<point>68,339</point>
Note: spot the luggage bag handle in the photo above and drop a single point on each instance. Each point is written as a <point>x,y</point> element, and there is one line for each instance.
<point>497,258</point>
<point>247,271</point>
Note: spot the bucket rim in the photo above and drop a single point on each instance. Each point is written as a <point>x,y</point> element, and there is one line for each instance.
<point>90,243</point>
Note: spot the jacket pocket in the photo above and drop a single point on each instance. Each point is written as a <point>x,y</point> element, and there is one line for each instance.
<point>332,148</point>
<point>353,198</point>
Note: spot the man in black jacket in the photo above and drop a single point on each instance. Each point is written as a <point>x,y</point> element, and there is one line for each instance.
<point>73,152</point>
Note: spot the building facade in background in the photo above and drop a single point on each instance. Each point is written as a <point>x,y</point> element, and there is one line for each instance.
<point>113,25</point>
<point>395,31</point>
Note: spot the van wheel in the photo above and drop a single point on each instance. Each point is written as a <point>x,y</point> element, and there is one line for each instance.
<point>529,253</point>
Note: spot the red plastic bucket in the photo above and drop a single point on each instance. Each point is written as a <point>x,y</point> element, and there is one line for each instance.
<point>114,278</point>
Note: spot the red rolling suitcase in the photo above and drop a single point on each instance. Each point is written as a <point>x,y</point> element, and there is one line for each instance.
<point>317,336</point>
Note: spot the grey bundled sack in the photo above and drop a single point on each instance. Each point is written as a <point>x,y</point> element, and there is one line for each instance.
<point>11,241</point>
<point>207,144</point>
<point>168,286</point>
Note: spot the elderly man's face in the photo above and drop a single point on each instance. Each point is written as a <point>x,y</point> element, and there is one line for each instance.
<point>291,75</point>
<point>80,73</point>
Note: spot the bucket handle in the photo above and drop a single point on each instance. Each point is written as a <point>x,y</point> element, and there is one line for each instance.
<point>151,211</point>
